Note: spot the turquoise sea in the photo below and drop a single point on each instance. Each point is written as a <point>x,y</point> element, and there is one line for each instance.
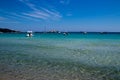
<point>51,56</point>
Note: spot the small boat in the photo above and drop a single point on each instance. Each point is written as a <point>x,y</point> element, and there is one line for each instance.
<point>85,32</point>
<point>65,33</point>
<point>29,34</point>
<point>59,32</point>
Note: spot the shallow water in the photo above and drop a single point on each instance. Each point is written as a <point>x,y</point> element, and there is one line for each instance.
<point>59,57</point>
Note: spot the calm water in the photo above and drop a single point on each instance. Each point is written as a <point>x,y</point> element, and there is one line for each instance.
<point>59,57</point>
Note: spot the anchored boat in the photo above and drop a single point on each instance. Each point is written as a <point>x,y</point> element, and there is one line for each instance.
<point>29,34</point>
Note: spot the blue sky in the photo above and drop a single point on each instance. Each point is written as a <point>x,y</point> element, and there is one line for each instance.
<point>63,15</point>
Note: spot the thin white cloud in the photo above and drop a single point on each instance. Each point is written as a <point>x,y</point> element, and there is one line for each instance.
<point>2,18</point>
<point>65,2</point>
<point>35,15</point>
<point>22,16</point>
<point>9,22</point>
<point>6,20</point>
<point>56,14</point>
<point>41,13</point>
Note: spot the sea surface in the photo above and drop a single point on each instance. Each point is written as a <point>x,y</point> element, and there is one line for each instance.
<point>53,56</point>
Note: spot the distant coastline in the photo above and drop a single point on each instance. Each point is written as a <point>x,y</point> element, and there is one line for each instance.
<point>6,30</point>
<point>81,32</point>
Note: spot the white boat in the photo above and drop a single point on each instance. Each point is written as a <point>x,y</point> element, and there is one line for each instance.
<point>29,34</point>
